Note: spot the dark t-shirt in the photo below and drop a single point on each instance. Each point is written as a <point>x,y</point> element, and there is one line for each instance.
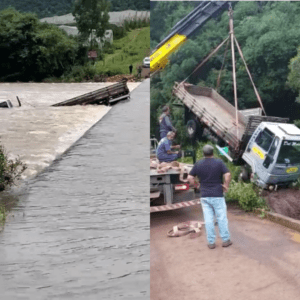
<point>210,173</point>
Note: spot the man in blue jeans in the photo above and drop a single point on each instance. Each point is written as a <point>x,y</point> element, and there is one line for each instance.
<point>211,172</point>
<point>164,151</point>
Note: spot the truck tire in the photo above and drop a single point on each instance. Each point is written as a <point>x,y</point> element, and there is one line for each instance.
<point>194,130</point>
<point>245,174</point>
<point>191,128</point>
<point>221,143</point>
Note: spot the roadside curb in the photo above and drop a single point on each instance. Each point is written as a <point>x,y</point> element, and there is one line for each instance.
<point>280,219</point>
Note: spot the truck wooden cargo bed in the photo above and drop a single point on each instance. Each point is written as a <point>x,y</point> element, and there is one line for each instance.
<point>213,110</point>
<point>107,95</point>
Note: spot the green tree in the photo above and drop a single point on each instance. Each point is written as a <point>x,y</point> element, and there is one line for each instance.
<point>294,74</point>
<point>92,18</point>
<point>31,50</point>
<point>269,36</point>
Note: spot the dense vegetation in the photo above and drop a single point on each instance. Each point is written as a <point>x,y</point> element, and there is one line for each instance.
<point>61,7</point>
<point>31,50</point>
<point>130,49</point>
<point>91,18</point>
<point>269,35</point>
<point>10,170</point>
<point>35,51</point>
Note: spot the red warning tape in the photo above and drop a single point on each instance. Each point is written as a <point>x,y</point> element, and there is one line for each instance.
<point>174,206</point>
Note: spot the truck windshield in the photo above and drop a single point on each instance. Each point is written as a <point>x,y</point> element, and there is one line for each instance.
<point>289,152</point>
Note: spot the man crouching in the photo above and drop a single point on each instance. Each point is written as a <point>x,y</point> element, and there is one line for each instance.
<point>164,151</point>
<point>211,172</point>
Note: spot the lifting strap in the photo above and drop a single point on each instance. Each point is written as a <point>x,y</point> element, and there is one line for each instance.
<point>219,77</point>
<point>230,14</point>
<point>254,87</point>
<point>233,39</point>
<point>207,58</point>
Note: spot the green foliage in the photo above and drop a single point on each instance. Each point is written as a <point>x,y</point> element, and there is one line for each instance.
<point>296,185</point>
<point>91,18</point>
<point>81,73</point>
<point>2,214</point>
<point>10,170</point>
<point>110,64</point>
<point>118,31</point>
<point>61,7</point>
<point>246,195</point>
<point>268,34</point>
<point>31,50</point>
<point>117,5</point>
<point>108,48</point>
<point>128,50</point>
<point>294,74</point>
<point>41,8</point>
<point>136,22</point>
<point>297,123</point>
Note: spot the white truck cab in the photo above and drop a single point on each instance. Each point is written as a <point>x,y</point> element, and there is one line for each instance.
<point>273,152</point>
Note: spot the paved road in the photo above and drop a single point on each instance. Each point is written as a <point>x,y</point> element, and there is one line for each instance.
<point>263,262</point>
<point>81,228</point>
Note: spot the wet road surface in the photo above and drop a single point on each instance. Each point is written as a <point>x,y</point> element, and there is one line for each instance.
<point>81,228</point>
<point>262,263</point>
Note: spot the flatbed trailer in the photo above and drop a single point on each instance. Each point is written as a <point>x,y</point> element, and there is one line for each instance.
<point>167,189</point>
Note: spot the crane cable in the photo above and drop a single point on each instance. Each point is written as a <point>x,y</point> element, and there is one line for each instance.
<point>254,87</point>
<point>207,58</point>
<point>224,59</point>
<point>233,39</point>
<point>230,14</point>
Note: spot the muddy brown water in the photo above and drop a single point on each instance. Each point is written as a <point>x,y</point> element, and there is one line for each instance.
<point>80,229</point>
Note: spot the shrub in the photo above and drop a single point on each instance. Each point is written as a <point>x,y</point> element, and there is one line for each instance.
<point>297,123</point>
<point>10,170</point>
<point>246,195</point>
<point>113,71</point>
<point>108,48</point>
<point>2,214</point>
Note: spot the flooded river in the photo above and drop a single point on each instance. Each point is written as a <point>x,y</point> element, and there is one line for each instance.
<point>80,229</point>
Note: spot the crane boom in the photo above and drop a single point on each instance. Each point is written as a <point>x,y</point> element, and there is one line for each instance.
<point>184,29</point>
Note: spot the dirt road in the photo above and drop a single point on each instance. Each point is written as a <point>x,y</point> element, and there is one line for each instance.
<point>263,262</point>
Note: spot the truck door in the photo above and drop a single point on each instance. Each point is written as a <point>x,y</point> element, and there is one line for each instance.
<point>260,151</point>
<point>269,160</point>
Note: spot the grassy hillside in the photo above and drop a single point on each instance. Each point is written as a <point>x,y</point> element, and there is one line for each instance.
<point>128,50</point>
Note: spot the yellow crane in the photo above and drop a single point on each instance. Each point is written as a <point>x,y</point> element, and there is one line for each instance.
<point>183,30</point>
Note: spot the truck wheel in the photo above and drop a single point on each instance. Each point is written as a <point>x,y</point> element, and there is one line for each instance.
<point>244,175</point>
<point>191,128</point>
<point>221,143</point>
<point>194,130</point>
